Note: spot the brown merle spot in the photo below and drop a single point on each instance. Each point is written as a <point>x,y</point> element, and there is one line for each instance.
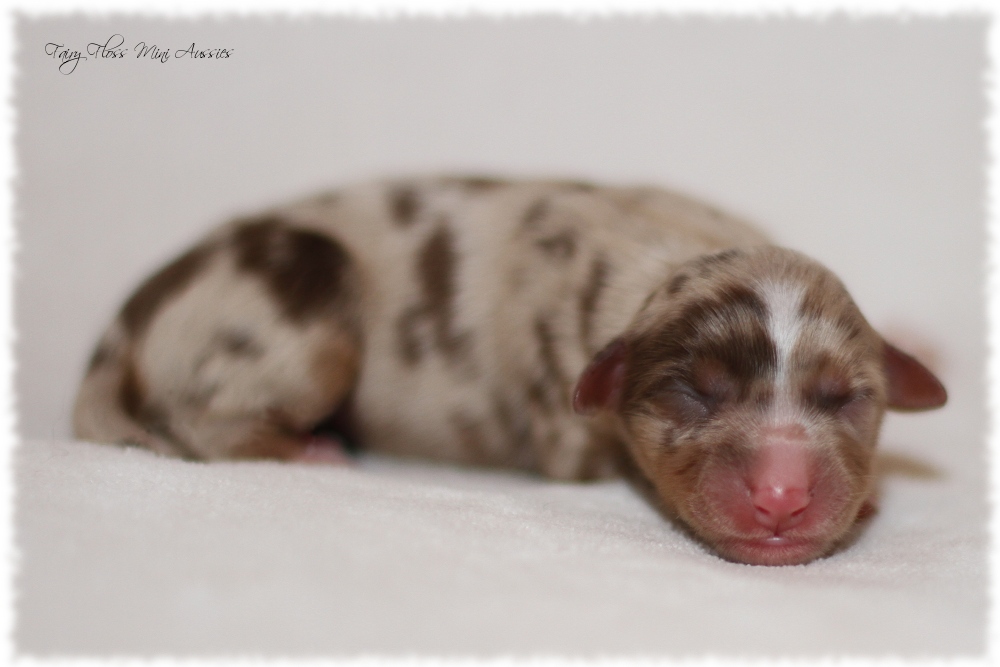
<point>728,327</point>
<point>596,281</point>
<point>436,268</point>
<point>166,283</point>
<point>306,272</point>
<point>437,264</point>
<point>560,246</point>
<point>404,204</point>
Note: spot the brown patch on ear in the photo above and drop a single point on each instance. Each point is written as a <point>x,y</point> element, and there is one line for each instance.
<point>911,385</point>
<point>601,384</point>
<point>167,282</point>
<point>306,271</point>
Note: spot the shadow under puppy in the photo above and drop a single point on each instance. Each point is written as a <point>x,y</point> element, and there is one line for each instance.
<point>562,327</point>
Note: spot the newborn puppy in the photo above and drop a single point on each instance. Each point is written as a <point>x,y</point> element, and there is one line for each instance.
<point>576,330</point>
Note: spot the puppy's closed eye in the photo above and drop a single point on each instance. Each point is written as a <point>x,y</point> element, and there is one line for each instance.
<point>701,391</point>
<point>680,400</point>
<point>834,395</point>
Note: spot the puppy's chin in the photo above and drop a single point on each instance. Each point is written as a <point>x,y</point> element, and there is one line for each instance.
<point>794,547</point>
<point>775,550</point>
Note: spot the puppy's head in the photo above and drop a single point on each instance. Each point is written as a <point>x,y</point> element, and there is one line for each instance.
<point>752,390</point>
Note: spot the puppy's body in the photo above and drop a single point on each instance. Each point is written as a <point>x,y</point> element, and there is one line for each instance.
<point>465,319</point>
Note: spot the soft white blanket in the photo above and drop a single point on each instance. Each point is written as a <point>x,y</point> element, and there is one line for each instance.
<point>126,553</point>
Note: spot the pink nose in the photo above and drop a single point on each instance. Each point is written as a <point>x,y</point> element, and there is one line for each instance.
<point>779,508</point>
<point>779,483</point>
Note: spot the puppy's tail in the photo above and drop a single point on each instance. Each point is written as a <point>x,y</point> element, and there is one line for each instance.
<point>104,410</point>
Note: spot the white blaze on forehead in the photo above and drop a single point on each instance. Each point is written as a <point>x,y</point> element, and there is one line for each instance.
<point>784,324</point>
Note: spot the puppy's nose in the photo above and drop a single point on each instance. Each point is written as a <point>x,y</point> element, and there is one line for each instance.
<point>779,508</point>
<point>779,483</point>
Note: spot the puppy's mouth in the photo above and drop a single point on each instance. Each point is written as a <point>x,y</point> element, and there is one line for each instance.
<point>773,550</point>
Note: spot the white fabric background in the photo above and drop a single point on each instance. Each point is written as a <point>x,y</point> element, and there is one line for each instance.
<point>858,142</point>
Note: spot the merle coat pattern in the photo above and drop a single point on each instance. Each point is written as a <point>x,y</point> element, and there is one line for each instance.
<point>576,330</point>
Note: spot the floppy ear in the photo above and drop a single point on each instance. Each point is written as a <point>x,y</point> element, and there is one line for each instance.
<point>911,385</point>
<point>600,385</point>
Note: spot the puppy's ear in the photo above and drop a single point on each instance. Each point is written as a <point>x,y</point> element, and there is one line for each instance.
<point>911,385</point>
<point>600,385</point>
